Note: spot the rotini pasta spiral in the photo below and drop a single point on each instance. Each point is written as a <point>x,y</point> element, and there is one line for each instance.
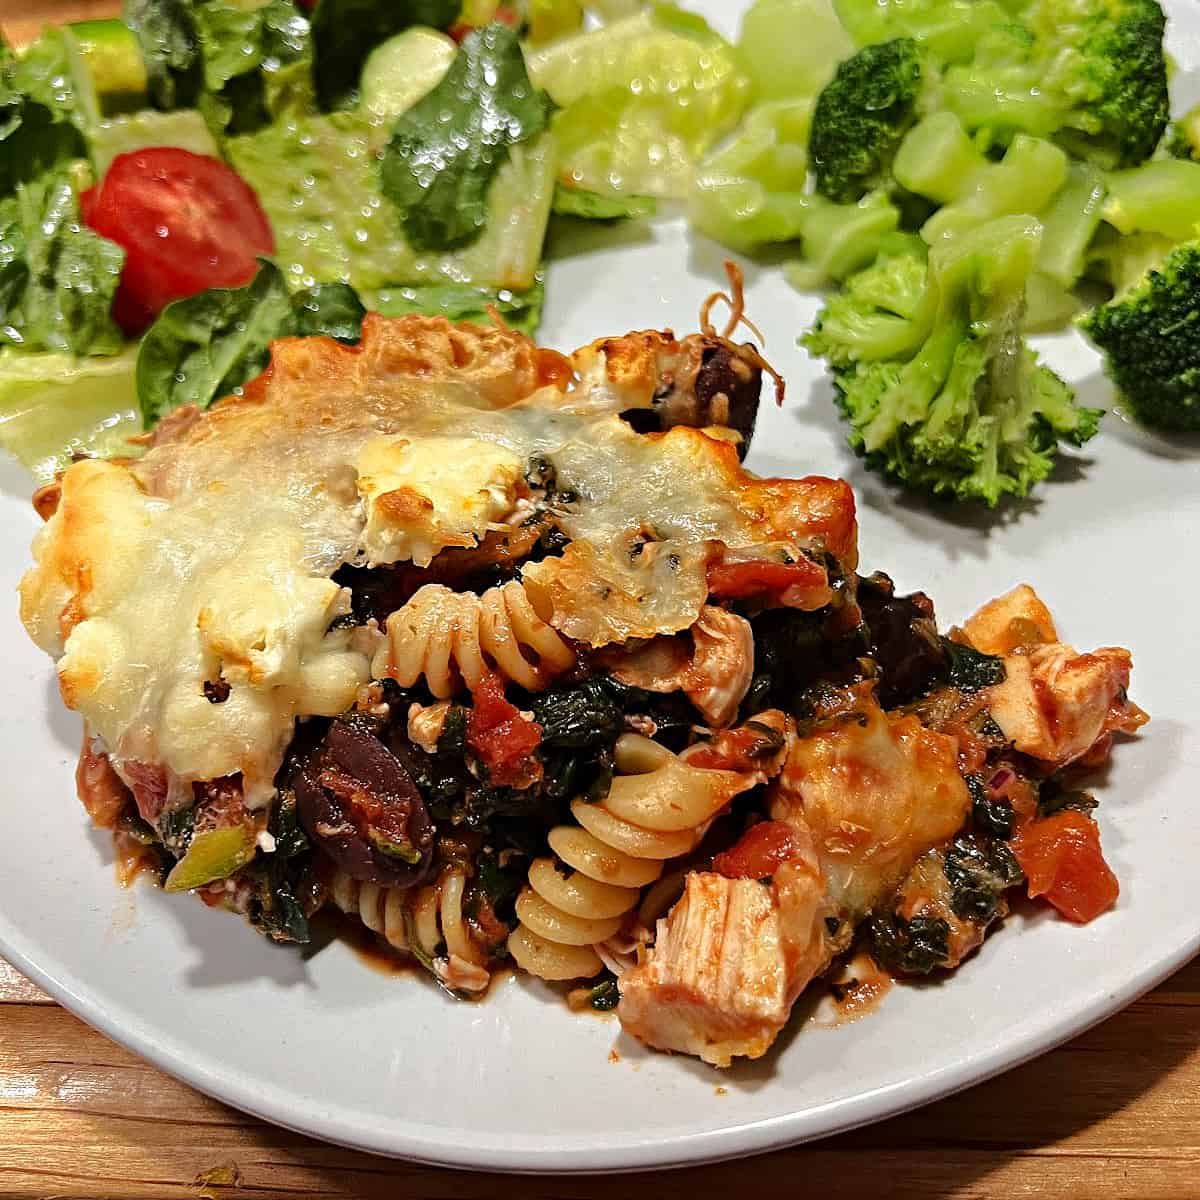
<point>453,639</point>
<point>425,922</point>
<point>658,808</point>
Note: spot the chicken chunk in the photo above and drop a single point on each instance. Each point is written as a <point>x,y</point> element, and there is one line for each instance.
<point>1018,618</point>
<point>712,664</point>
<point>1055,704</point>
<point>714,984</point>
<point>865,798</point>
<point>1061,706</point>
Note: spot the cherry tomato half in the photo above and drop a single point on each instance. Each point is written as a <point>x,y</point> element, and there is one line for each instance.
<point>186,221</point>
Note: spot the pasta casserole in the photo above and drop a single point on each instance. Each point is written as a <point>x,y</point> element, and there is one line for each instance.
<point>505,653</point>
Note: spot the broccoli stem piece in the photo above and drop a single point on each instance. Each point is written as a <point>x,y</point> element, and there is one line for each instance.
<point>947,29</point>
<point>839,239</point>
<point>1159,197</point>
<point>751,193</point>
<point>1069,224</point>
<point>936,158</point>
<point>1025,181</point>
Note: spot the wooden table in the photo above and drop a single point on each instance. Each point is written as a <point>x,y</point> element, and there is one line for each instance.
<point>1115,1113</point>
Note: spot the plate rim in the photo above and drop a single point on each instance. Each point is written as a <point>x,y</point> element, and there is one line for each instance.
<point>672,1152</point>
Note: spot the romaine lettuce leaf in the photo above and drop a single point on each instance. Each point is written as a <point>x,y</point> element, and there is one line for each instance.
<point>318,181</point>
<point>53,406</point>
<point>445,151</point>
<point>345,31</point>
<point>170,47</point>
<point>184,128</point>
<point>57,277</point>
<point>595,206</point>
<point>643,100</point>
<point>32,140</point>
<point>42,71</point>
<point>257,64</point>
<point>461,302</point>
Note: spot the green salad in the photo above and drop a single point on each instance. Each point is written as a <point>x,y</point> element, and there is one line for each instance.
<point>183,185</point>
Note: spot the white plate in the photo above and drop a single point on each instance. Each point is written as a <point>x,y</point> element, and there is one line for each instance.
<point>325,1045</point>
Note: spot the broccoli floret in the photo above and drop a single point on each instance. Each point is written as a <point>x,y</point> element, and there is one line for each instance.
<point>861,116</point>
<point>1123,262</point>
<point>1150,337</point>
<point>941,392</point>
<point>1182,138</point>
<point>1094,73</point>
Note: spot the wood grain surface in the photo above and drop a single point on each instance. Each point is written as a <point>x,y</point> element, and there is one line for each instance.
<point>1114,1114</point>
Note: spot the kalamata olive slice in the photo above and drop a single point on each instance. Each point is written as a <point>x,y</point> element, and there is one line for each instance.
<point>361,807</point>
<point>725,391</point>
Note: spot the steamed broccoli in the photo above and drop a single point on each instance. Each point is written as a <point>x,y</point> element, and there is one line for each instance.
<point>1150,336</point>
<point>860,117</point>
<point>1182,139</point>
<point>941,391</point>
<point>1091,72</point>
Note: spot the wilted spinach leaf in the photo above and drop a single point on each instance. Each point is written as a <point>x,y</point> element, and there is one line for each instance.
<point>446,149</point>
<point>970,670</point>
<point>1053,798</point>
<point>992,817</point>
<point>346,31</point>
<point>170,47</point>
<point>914,947</point>
<point>979,871</point>
<point>579,718</point>
<point>205,346</point>
<point>329,309</point>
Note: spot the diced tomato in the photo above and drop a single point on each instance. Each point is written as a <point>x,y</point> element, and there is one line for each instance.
<point>1063,862</point>
<point>186,222</point>
<point>737,580</point>
<point>758,853</point>
<point>503,738</point>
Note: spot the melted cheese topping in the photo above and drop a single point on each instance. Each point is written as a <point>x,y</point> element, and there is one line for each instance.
<point>877,791</point>
<point>210,558</point>
<point>425,495</point>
